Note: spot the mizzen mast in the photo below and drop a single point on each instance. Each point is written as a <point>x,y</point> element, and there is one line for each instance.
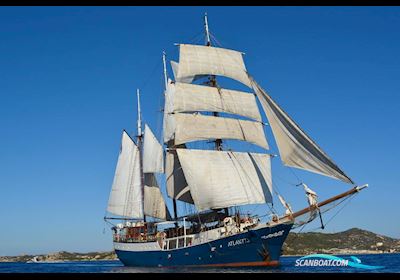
<point>140,147</point>
<point>166,86</point>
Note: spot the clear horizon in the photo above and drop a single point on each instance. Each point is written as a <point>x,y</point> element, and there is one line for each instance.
<point>68,79</point>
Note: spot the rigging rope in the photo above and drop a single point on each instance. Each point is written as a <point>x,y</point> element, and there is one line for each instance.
<point>350,199</point>
<point>298,179</point>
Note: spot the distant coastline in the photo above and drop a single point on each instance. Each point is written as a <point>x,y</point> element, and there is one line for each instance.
<point>62,256</point>
<point>350,242</point>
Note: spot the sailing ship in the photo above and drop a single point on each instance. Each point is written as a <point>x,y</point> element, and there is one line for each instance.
<point>213,182</point>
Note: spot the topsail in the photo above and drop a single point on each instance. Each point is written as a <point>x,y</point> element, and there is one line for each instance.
<point>195,60</point>
<point>196,98</point>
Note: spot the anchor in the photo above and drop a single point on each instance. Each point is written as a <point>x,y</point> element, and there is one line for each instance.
<point>264,253</point>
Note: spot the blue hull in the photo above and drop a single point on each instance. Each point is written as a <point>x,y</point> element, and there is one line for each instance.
<point>259,247</point>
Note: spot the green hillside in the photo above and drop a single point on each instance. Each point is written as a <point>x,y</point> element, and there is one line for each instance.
<point>354,240</point>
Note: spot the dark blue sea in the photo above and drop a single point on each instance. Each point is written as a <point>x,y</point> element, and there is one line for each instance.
<point>390,263</point>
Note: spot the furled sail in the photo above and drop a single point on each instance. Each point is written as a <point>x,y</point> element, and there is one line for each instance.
<point>154,204</point>
<point>296,148</point>
<point>219,179</point>
<point>126,197</point>
<point>153,155</point>
<point>177,187</point>
<point>204,60</point>
<point>192,98</point>
<point>194,127</point>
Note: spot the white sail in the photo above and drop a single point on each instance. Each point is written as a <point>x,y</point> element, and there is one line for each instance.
<point>177,187</point>
<point>153,155</point>
<point>187,79</point>
<point>192,98</point>
<point>154,204</point>
<point>296,148</point>
<point>286,205</point>
<point>220,179</point>
<point>204,60</point>
<point>126,196</point>
<point>168,120</point>
<point>194,127</point>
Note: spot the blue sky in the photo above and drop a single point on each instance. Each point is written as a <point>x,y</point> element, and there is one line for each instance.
<point>68,77</point>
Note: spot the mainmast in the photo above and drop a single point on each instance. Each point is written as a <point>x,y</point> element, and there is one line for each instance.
<point>140,146</point>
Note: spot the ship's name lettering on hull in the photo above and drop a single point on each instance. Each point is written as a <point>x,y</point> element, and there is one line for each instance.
<point>275,234</point>
<point>238,242</point>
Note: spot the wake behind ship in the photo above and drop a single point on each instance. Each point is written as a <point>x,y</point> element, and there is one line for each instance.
<point>209,179</point>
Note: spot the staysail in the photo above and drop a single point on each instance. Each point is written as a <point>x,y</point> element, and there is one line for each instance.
<point>153,155</point>
<point>296,148</point>
<point>126,194</point>
<point>154,204</point>
<point>177,187</point>
<point>219,179</point>
<point>126,197</point>
<point>197,60</point>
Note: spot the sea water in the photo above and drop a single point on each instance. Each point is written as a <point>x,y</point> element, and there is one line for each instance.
<point>390,263</point>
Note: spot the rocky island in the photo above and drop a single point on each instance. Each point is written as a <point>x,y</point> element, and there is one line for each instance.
<point>352,241</point>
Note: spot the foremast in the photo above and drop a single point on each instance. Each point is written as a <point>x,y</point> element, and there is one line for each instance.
<point>212,82</point>
<point>188,124</point>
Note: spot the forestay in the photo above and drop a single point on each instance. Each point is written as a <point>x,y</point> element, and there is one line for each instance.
<point>177,187</point>
<point>204,60</point>
<point>192,98</point>
<point>153,155</point>
<point>154,204</point>
<point>125,197</point>
<point>194,127</point>
<point>246,177</point>
<point>296,148</point>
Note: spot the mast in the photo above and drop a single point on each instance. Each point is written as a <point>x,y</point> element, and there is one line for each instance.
<point>166,85</point>
<point>213,82</point>
<point>212,79</point>
<point>140,146</point>
<point>208,41</point>
<point>165,70</point>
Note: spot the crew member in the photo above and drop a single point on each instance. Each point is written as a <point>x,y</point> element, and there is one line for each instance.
<point>311,196</point>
